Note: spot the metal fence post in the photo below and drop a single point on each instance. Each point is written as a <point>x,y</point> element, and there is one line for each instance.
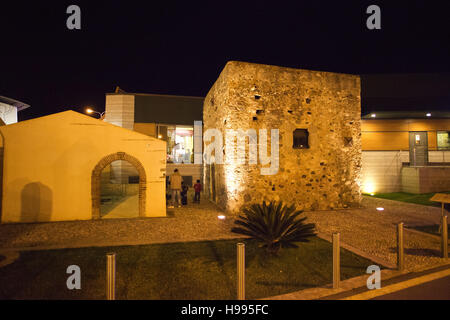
<point>336,261</point>
<point>400,248</point>
<point>241,271</point>
<point>111,276</point>
<point>444,237</point>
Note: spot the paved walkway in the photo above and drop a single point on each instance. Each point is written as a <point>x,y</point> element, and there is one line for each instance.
<point>127,208</point>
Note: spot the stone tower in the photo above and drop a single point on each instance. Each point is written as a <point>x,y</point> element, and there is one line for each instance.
<point>310,121</point>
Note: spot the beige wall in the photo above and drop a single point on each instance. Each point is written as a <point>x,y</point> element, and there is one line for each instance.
<point>48,164</point>
<point>382,170</point>
<point>119,110</point>
<point>425,179</point>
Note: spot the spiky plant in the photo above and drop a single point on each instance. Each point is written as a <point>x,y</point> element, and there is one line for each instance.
<point>274,225</point>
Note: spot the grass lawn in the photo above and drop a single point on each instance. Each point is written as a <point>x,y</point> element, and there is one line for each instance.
<point>423,199</point>
<point>194,270</point>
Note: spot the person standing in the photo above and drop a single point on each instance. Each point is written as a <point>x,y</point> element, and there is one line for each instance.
<point>184,192</point>
<point>175,187</point>
<point>198,189</point>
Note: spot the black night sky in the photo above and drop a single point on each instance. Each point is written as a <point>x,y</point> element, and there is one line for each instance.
<point>171,47</point>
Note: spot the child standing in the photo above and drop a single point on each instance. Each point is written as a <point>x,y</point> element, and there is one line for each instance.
<point>184,191</point>
<point>198,189</point>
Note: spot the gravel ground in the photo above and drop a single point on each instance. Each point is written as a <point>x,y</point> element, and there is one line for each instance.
<point>369,230</point>
<point>375,232</point>
<point>188,223</point>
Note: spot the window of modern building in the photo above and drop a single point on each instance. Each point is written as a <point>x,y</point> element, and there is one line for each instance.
<point>180,144</point>
<point>301,137</point>
<point>443,140</point>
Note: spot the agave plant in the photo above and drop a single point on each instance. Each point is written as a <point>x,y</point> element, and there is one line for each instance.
<point>274,225</point>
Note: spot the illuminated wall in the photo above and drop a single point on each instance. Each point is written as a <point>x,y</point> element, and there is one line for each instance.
<point>250,96</point>
<point>385,145</point>
<point>49,162</point>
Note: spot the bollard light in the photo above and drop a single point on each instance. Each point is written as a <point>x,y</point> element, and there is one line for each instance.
<point>400,248</point>
<point>111,276</point>
<point>444,237</point>
<point>241,271</point>
<point>336,261</point>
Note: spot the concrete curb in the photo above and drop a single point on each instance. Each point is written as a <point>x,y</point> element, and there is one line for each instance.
<point>349,286</point>
<point>367,295</point>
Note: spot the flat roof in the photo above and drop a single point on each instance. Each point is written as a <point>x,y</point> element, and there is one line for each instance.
<point>407,115</point>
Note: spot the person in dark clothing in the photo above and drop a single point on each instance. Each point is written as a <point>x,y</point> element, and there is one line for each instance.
<point>184,191</point>
<point>197,189</point>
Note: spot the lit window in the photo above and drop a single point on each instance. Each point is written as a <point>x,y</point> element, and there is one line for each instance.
<point>180,144</point>
<point>301,137</point>
<point>443,140</point>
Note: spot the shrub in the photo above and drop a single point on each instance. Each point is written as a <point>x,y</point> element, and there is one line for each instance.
<point>274,225</point>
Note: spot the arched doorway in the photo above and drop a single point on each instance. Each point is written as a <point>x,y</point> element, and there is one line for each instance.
<point>96,181</point>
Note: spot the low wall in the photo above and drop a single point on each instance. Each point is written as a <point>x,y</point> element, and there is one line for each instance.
<point>425,179</point>
<point>382,170</point>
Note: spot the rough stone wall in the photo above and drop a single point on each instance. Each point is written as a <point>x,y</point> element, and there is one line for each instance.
<point>251,96</point>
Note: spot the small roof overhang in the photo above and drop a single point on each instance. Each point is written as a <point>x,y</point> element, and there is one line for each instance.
<point>15,103</point>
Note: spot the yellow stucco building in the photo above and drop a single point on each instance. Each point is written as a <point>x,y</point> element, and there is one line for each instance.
<point>52,168</point>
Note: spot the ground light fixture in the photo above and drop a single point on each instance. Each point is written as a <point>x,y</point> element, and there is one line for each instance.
<point>221,217</point>
<point>373,115</point>
<point>428,114</point>
<point>380,209</point>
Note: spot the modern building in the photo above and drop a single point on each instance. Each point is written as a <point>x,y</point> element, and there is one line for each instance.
<point>165,117</point>
<point>9,109</point>
<point>405,130</point>
<point>406,151</point>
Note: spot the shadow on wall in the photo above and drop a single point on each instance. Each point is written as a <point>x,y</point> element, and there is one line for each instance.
<point>36,200</point>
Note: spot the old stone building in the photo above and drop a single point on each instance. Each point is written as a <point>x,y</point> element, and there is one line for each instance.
<point>318,118</point>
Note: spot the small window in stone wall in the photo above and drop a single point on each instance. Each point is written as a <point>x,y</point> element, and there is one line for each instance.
<point>301,139</point>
